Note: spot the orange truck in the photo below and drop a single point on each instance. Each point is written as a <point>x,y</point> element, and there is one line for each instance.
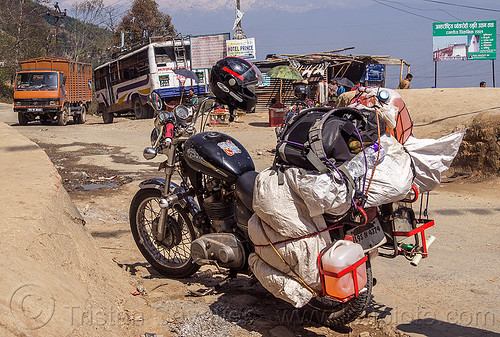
<point>52,89</point>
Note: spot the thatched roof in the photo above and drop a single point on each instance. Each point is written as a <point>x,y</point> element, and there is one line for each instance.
<point>333,57</point>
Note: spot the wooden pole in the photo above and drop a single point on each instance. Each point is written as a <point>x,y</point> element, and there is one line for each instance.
<point>401,72</point>
<point>281,88</point>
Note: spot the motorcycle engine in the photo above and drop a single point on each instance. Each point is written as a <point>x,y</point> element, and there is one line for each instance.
<point>225,248</point>
<point>223,244</point>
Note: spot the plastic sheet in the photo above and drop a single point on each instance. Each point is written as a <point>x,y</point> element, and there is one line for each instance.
<point>432,157</point>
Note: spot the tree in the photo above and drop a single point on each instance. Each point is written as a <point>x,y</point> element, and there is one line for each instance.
<point>23,30</point>
<point>88,40</point>
<point>143,21</point>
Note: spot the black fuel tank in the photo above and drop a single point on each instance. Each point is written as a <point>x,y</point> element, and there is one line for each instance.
<point>217,155</point>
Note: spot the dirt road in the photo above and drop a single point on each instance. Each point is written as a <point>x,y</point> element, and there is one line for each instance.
<point>452,293</point>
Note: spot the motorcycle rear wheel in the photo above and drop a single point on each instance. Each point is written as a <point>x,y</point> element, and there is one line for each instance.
<point>334,314</point>
<point>174,260</point>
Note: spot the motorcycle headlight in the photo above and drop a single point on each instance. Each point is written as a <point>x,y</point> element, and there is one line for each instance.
<point>154,136</point>
<point>162,118</point>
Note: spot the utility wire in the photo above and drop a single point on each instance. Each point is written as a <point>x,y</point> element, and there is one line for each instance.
<point>423,9</point>
<point>464,6</point>
<point>402,10</point>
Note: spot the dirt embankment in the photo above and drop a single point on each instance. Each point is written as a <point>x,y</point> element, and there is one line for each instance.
<point>480,149</point>
<point>437,112</point>
<point>55,279</point>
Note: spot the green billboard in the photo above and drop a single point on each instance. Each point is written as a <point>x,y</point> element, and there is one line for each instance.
<point>473,40</point>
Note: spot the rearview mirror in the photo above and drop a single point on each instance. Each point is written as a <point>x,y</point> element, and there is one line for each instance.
<point>155,100</point>
<point>149,153</point>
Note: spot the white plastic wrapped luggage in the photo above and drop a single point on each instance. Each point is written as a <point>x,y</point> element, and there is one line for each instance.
<point>292,210</point>
<point>393,176</point>
<point>432,157</point>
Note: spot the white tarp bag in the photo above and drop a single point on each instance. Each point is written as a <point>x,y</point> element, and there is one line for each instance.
<point>292,210</point>
<point>300,255</point>
<point>393,176</point>
<point>289,208</point>
<point>431,157</point>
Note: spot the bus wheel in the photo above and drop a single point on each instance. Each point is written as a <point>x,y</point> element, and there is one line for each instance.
<point>140,111</point>
<point>107,117</point>
<point>62,117</point>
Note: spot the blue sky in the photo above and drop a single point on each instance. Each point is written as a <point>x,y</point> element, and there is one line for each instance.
<point>400,28</point>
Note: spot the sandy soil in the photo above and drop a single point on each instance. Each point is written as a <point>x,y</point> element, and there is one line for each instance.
<point>451,293</point>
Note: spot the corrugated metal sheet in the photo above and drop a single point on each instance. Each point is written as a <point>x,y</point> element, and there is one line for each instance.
<point>269,95</point>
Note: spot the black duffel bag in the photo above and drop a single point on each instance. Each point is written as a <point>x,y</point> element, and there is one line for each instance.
<point>322,138</point>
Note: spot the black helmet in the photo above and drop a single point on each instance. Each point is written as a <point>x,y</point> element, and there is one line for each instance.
<point>233,81</point>
<point>301,91</point>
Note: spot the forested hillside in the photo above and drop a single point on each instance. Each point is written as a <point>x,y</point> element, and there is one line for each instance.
<point>27,30</point>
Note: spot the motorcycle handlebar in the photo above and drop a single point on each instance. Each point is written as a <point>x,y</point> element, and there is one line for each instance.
<point>169,132</point>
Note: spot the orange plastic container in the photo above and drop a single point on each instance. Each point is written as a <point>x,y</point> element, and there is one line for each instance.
<point>338,265</point>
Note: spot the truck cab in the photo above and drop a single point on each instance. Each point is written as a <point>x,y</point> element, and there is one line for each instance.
<point>38,93</point>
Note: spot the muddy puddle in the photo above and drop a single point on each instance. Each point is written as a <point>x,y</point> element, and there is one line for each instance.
<point>83,177</point>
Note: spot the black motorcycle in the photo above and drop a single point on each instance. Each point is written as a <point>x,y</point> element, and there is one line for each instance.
<point>198,214</point>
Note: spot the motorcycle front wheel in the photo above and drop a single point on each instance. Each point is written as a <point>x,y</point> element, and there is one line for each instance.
<point>172,256</point>
<point>334,314</point>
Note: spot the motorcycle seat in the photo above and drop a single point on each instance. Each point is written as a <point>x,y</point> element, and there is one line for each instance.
<point>244,188</point>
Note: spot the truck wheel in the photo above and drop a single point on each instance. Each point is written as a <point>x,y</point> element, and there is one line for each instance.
<point>140,111</point>
<point>22,118</point>
<point>81,117</point>
<point>62,117</point>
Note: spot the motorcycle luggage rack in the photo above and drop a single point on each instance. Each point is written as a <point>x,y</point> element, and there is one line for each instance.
<point>351,269</point>
<point>419,250</point>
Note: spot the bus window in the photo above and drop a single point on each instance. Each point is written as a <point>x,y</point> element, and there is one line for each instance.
<point>143,63</point>
<point>163,55</point>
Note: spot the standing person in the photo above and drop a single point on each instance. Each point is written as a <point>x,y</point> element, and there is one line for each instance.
<point>405,82</point>
<point>482,84</point>
<point>322,92</point>
<point>332,91</point>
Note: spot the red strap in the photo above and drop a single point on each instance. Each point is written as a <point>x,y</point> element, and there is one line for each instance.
<point>334,226</point>
<point>233,73</point>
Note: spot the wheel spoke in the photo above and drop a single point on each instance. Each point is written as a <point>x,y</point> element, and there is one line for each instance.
<point>148,213</point>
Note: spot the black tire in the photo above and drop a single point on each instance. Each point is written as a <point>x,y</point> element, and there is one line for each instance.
<point>62,117</point>
<point>140,111</point>
<point>45,120</point>
<point>176,261</point>
<point>81,117</point>
<point>333,314</point>
<point>22,118</point>
<point>107,117</point>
